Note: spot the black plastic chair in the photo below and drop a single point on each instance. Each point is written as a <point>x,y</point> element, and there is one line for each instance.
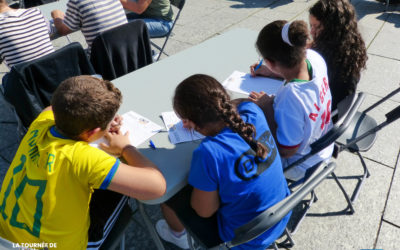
<point>33,3</point>
<point>121,50</point>
<point>30,85</point>
<point>272,215</point>
<point>178,4</point>
<point>361,135</point>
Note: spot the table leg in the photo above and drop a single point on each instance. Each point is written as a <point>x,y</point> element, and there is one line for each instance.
<point>150,227</point>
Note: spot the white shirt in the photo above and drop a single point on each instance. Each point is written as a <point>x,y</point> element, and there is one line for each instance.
<point>302,113</point>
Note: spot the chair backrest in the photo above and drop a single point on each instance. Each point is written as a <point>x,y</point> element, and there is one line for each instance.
<point>34,3</point>
<point>361,133</point>
<point>178,3</point>
<point>121,50</point>
<point>347,108</point>
<point>30,85</point>
<point>274,214</point>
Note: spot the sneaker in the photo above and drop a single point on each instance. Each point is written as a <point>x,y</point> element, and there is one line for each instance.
<point>165,233</point>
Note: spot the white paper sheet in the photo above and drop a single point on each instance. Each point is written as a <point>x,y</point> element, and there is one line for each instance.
<point>176,132</point>
<point>244,83</point>
<point>140,129</point>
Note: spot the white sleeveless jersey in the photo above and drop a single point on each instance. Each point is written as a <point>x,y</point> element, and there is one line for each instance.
<point>303,115</point>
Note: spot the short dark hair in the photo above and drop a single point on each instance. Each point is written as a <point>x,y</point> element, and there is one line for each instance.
<point>272,47</point>
<point>83,103</point>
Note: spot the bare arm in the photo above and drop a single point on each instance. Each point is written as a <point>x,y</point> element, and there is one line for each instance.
<point>204,203</point>
<point>58,17</point>
<point>266,103</point>
<point>138,7</point>
<point>140,178</point>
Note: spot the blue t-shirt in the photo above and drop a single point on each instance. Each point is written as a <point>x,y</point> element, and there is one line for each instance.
<point>226,163</point>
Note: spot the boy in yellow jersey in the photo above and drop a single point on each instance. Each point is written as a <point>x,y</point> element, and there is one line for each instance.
<point>46,192</point>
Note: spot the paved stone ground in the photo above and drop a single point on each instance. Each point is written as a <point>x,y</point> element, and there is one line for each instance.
<point>376,223</point>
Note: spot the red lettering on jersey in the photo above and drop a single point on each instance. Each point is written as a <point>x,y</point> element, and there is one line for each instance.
<point>313,116</point>
<point>326,85</point>
<point>316,106</point>
<point>321,96</point>
<point>326,116</point>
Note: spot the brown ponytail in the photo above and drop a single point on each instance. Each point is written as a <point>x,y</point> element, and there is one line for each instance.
<point>271,45</point>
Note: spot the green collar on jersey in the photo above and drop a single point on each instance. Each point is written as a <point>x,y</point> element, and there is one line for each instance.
<point>310,73</point>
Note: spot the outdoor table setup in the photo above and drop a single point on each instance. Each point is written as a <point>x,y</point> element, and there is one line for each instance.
<point>149,92</point>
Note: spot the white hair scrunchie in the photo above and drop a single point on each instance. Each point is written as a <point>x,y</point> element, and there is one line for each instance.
<point>285,33</point>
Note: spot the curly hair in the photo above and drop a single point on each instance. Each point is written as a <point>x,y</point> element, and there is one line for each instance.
<point>203,100</point>
<point>272,47</point>
<point>340,44</point>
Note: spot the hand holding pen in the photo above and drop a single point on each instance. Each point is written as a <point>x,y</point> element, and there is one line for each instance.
<point>260,69</point>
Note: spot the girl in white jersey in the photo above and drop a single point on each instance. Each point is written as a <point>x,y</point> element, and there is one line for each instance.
<point>299,114</point>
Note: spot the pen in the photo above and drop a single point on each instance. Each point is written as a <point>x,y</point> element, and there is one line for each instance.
<point>152,144</point>
<point>259,65</point>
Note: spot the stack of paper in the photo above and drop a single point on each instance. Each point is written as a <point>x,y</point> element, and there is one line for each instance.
<point>244,83</point>
<point>176,132</point>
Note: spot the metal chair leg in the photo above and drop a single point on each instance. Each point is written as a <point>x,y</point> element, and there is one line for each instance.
<point>190,241</point>
<point>150,227</point>
<point>346,196</point>
<point>313,199</point>
<point>288,242</point>
<point>122,242</point>
<point>361,180</point>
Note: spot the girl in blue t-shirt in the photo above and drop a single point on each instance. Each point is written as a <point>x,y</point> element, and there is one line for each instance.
<point>236,171</point>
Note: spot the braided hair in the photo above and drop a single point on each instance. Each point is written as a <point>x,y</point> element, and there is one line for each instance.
<point>203,100</point>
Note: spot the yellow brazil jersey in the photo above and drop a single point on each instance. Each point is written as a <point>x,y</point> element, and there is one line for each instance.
<point>46,192</point>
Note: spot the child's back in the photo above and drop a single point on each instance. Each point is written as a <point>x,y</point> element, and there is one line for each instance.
<point>46,192</point>
<point>246,184</point>
<point>302,112</point>
<point>299,114</point>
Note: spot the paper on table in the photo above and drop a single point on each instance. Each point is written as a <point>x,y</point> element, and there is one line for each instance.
<point>140,129</point>
<point>244,83</point>
<point>176,132</point>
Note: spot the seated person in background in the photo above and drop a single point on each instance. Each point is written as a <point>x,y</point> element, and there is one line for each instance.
<point>299,114</point>
<point>24,34</point>
<point>336,37</point>
<point>236,171</point>
<point>157,14</point>
<point>89,16</point>
<point>46,192</point>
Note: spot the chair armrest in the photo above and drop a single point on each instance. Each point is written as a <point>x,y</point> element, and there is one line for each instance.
<point>274,214</point>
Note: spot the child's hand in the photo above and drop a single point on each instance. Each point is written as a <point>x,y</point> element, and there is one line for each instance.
<point>115,124</point>
<point>57,14</point>
<point>254,96</point>
<point>116,142</point>
<point>263,70</point>
<point>261,99</point>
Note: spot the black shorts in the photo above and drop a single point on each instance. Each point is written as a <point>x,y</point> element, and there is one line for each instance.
<point>206,228</point>
<point>105,207</point>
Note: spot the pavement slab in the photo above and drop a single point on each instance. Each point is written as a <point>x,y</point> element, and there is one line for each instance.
<point>392,207</point>
<point>327,227</point>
